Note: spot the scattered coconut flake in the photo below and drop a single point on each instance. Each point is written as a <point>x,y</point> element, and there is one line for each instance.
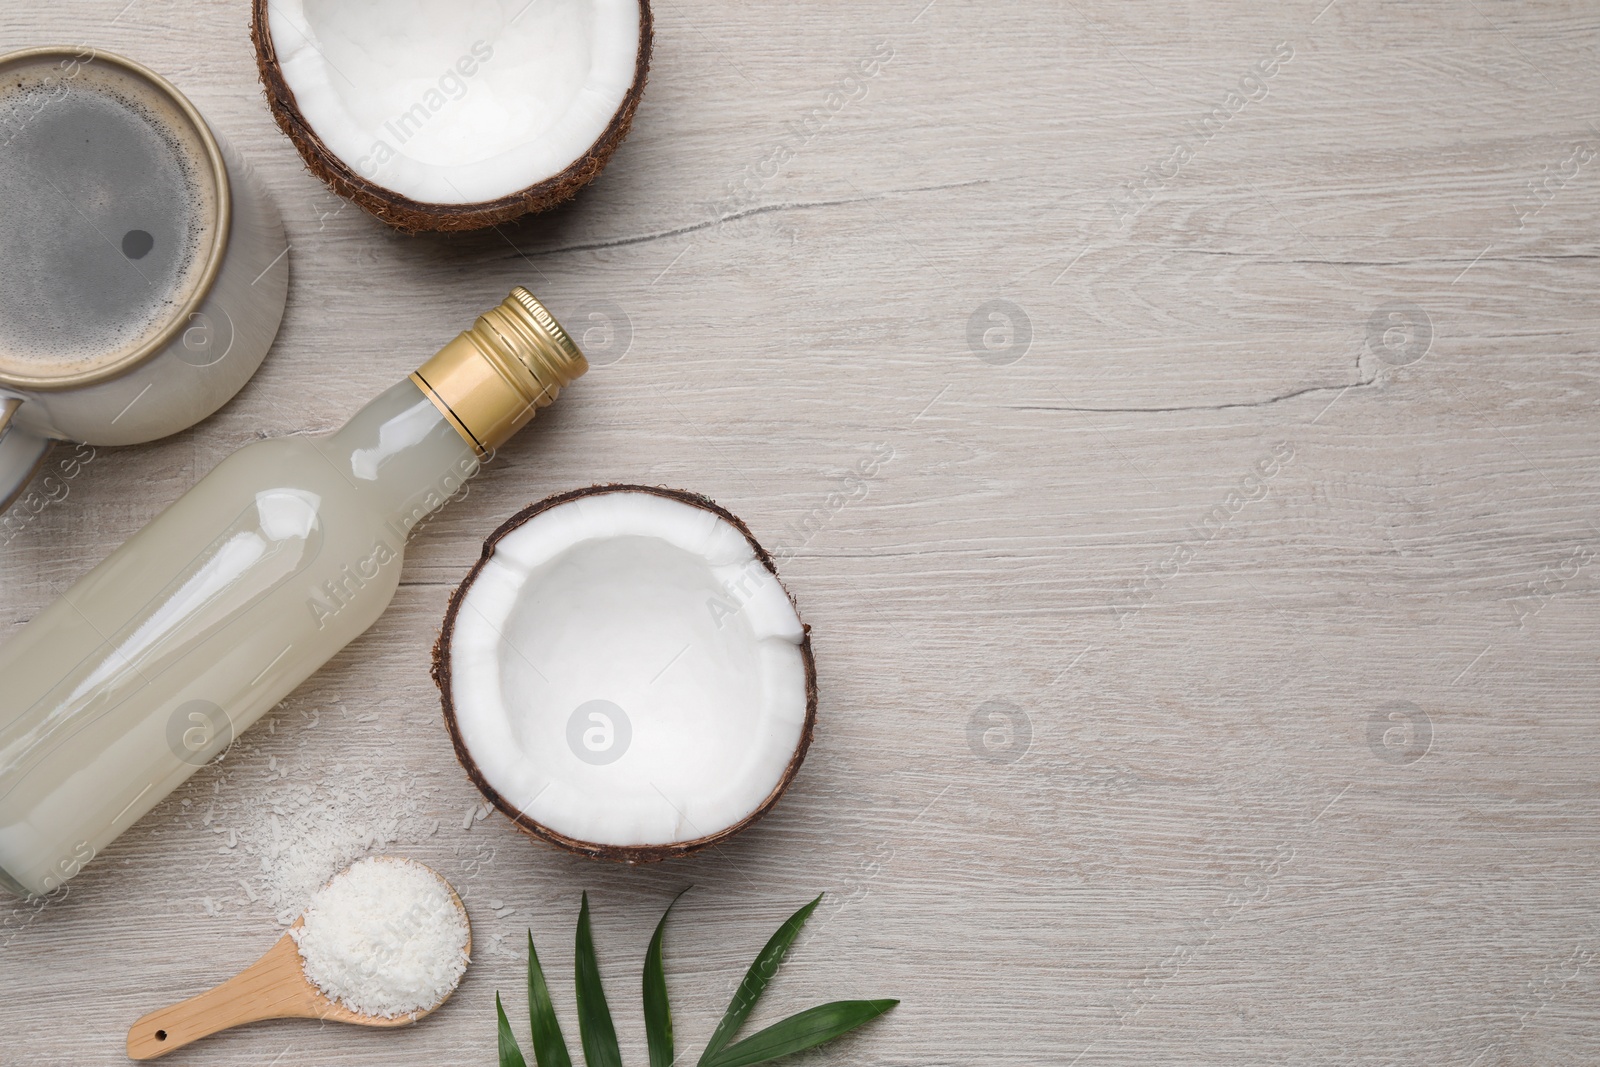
<point>285,834</point>
<point>385,938</point>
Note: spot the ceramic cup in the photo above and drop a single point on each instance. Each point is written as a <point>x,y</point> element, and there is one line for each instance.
<point>95,140</point>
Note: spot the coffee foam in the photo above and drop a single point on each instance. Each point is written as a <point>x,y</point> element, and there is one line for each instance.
<point>110,215</point>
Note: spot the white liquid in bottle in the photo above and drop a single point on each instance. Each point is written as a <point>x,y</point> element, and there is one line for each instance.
<point>150,664</point>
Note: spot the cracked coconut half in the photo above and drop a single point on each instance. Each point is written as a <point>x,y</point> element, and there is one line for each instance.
<point>451,115</point>
<point>624,675</point>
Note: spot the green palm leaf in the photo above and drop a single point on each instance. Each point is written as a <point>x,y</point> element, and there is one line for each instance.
<point>549,1047</point>
<point>510,1053</point>
<point>657,1011</point>
<point>755,981</point>
<point>594,1017</point>
<point>799,1032</point>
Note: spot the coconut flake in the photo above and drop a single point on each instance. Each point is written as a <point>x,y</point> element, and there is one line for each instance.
<point>385,938</point>
<point>288,836</point>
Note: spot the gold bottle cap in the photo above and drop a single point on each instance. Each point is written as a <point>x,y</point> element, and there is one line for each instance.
<point>491,379</point>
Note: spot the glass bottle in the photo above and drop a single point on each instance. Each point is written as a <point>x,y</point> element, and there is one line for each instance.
<point>150,664</point>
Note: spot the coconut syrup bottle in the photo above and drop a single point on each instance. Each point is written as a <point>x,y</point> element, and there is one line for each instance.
<point>150,664</point>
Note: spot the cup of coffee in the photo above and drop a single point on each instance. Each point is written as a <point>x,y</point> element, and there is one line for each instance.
<point>143,268</point>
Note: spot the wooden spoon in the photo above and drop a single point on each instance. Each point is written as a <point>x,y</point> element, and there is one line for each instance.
<point>274,987</point>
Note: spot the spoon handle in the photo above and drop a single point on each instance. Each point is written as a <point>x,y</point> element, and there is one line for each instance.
<point>274,987</point>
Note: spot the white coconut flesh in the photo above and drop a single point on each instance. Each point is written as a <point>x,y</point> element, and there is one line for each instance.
<point>457,101</point>
<point>624,671</point>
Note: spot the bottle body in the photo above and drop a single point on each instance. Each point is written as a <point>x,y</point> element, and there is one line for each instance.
<point>149,665</point>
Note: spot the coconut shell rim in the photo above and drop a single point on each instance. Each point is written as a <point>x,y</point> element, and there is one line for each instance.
<point>415,216</point>
<point>440,672</point>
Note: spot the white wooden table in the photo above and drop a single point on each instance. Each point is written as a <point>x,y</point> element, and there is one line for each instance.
<point>1209,676</point>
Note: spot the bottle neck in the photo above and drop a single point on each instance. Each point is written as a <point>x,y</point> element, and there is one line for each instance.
<point>403,455</point>
<point>414,447</point>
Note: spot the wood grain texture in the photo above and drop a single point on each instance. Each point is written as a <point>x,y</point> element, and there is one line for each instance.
<point>1207,684</point>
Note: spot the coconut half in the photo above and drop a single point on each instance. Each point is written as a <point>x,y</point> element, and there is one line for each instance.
<point>624,675</point>
<point>453,114</point>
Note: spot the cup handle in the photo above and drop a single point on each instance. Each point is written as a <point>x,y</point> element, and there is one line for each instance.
<point>21,453</point>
